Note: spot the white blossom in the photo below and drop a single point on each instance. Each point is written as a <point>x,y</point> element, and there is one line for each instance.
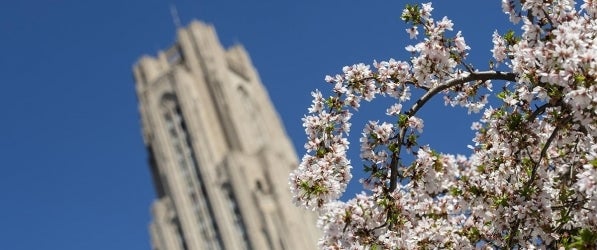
<point>530,181</point>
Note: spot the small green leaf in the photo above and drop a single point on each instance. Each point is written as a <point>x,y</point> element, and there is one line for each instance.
<point>454,191</point>
<point>594,163</point>
<point>393,147</point>
<point>586,239</point>
<point>502,95</point>
<point>511,38</point>
<point>402,119</point>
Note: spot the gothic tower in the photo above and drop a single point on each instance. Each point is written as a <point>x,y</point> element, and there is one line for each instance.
<point>218,153</point>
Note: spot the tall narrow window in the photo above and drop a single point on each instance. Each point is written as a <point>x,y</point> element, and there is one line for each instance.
<point>189,171</point>
<point>236,215</point>
<point>180,236</point>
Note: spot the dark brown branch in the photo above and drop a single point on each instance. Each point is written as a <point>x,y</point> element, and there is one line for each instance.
<point>475,76</point>
<point>540,110</point>
<point>394,171</point>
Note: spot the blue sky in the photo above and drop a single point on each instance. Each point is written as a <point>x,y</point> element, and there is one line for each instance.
<point>74,172</point>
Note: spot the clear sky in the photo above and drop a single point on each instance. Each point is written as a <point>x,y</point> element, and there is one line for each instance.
<point>74,173</point>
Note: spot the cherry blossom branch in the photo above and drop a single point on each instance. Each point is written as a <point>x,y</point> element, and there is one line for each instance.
<point>535,160</point>
<point>475,76</point>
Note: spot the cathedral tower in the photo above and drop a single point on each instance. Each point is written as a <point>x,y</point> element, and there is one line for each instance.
<point>218,153</point>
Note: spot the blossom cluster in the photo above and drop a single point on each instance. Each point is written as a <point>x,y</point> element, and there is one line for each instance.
<point>530,180</point>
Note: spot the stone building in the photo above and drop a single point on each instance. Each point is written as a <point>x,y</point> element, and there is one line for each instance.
<point>218,152</point>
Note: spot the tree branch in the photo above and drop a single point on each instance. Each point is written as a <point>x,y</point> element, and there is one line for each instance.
<point>475,76</point>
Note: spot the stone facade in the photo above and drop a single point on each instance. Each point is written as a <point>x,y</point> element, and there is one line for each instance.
<point>218,152</point>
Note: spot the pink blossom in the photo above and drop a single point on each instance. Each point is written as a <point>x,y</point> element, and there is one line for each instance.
<point>416,123</point>
<point>460,43</point>
<point>530,180</point>
<point>499,47</point>
<point>394,109</point>
<point>412,32</point>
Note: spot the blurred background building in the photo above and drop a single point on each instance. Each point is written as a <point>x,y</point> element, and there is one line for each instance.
<point>218,152</point>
